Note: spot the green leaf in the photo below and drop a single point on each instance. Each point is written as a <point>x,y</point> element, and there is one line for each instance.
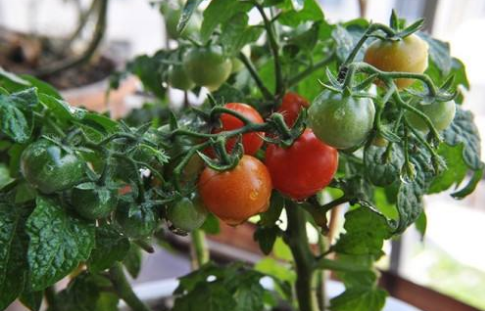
<point>381,171</point>
<point>282,251</point>
<point>472,184</point>
<point>421,224</point>
<point>359,299</point>
<point>311,12</point>
<point>213,296</point>
<point>110,247</point>
<point>365,233</point>
<point>456,172</point>
<point>409,205</point>
<point>344,42</point>
<point>272,215</point>
<point>58,107</point>
<point>13,263</point>
<point>464,131</point>
<point>32,300</point>
<point>237,34</point>
<point>5,178</point>
<point>214,18</point>
<point>132,261</point>
<point>439,53</point>
<point>249,294</point>
<point>211,225</point>
<point>266,237</point>
<point>297,4</point>
<point>85,292</point>
<point>16,114</point>
<point>12,81</point>
<point>42,87</point>
<point>189,9</point>
<point>58,243</point>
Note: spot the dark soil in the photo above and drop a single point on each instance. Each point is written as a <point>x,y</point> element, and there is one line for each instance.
<point>21,53</point>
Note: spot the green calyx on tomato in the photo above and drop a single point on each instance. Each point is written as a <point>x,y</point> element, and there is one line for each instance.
<point>187,214</point>
<point>341,121</point>
<point>134,220</point>
<point>252,141</point>
<point>51,168</point>
<point>291,106</point>
<point>94,202</point>
<point>303,169</point>
<point>178,78</point>
<point>409,54</point>
<point>441,115</point>
<point>207,66</point>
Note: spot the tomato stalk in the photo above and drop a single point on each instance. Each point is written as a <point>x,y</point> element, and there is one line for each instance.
<point>297,240</point>
<point>274,46</point>
<point>124,290</point>
<point>311,69</point>
<point>199,250</point>
<point>254,74</point>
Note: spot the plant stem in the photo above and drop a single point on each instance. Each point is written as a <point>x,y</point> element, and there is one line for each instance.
<point>200,253</point>
<point>273,44</point>
<point>305,73</point>
<point>321,276</point>
<point>50,297</point>
<point>124,290</point>
<point>254,73</point>
<point>297,240</point>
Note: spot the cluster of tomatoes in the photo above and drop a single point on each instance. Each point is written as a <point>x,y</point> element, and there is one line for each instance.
<point>336,120</point>
<point>298,171</point>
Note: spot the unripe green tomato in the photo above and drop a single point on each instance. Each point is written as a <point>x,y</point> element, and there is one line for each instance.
<point>94,203</point>
<point>441,115</point>
<point>172,18</point>
<point>407,55</point>
<point>135,221</point>
<point>237,64</point>
<point>50,168</point>
<point>187,215</point>
<point>341,121</point>
<point>178,78</point>
<point>207,66</point>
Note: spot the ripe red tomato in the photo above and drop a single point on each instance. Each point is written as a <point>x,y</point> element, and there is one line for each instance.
<point>238,194</point>
<point>291,106</point>
<point>251,141</point>
<point>304,168</point>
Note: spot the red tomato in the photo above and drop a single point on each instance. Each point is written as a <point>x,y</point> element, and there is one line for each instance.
<point>251,141</point>
<point>304,168</point>
<point>238,194</point>
<point>291,106</point>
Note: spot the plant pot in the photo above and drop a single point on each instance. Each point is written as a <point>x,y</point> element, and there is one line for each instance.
<point>155,292</point>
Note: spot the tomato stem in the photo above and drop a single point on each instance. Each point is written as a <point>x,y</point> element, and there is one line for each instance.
<point>200,253</point>
<point>297,240</point>
<point>311,69</point>
<point>124,290</point>
<point>254,73</point>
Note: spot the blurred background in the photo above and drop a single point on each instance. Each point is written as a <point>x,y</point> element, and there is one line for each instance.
<point>450,258</point>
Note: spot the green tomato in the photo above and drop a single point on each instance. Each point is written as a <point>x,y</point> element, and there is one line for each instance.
<point>207,66</point>
<point>237,64</point>
<point>92,202</point>
<point>441,115</point>
<point>178,78</point>
<point>172,18</point>
<point>135,221</point>
<point>187,215</point>
<point>341,121</point>
<point>50,168</point>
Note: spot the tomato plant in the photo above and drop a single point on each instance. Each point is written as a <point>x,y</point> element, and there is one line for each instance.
<point>304,168</point>
<point>238,194</point>
<point>327,123</point>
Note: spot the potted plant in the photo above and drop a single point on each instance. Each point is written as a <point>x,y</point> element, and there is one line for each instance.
<point>82,195</point>
<point>75,64</point>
